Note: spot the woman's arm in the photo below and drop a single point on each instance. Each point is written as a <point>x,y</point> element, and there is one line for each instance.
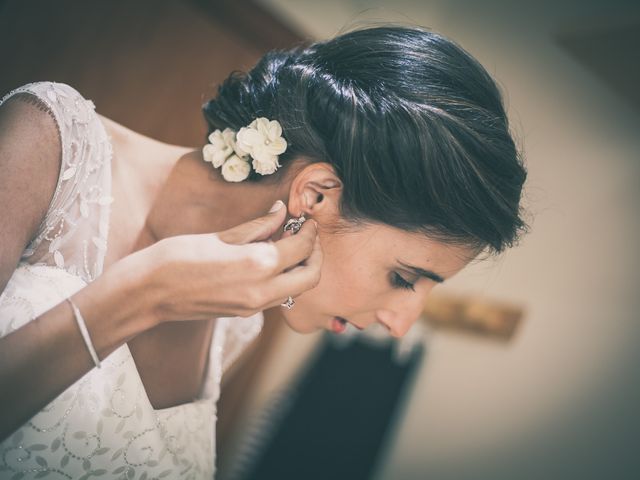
<point>30,157</point>
<point>47,355</point>
<point>187,277</point>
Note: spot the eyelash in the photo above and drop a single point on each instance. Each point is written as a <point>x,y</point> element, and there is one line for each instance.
<point>399,282</point>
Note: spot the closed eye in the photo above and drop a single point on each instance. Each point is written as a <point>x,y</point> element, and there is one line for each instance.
<point>398,282</point>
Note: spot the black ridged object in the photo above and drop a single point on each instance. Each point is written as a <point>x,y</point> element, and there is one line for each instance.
<point>331,423</point>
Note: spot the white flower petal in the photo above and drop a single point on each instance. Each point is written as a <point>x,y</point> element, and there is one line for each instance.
<point>215,138</point>
<point>229,137</point>
<point>208,151</point>
<point>247,138</point>
<point>277,146</point>
<point>219,158</point>
<point>235,169</point>
<point>230,140</point>
<point>239,151</point>
<point>274,130</point>
<point>262,125</point>
<point>265,165</point>
<point>215,155</point>
<point>259,151</point>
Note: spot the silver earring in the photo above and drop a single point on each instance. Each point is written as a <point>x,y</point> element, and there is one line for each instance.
<point>293,224</point>
<point>289,303</point>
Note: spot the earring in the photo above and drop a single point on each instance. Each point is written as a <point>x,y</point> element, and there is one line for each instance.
<point>295,224</point>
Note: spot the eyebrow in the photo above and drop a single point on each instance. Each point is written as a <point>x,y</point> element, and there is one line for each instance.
<point>422,272</point>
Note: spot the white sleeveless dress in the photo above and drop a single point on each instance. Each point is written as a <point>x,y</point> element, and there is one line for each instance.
<point>103,425</point>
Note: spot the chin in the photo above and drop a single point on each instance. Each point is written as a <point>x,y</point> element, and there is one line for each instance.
<point>298,325</point>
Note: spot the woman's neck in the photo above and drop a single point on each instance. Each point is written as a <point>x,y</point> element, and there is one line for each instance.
<point>196,199</point>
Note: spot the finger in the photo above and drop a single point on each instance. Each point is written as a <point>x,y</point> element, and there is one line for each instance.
<point>297,280</point>
<point>293,249</point>
<point>256,230</point>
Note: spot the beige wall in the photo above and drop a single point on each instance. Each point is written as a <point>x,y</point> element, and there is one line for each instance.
<point>576,272</point>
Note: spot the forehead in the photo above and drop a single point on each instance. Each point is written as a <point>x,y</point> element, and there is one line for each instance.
<point>391,245</point>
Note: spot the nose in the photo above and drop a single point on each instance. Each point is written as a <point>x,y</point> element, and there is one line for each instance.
<point>401,318</point>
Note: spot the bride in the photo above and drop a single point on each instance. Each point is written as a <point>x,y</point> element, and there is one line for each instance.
<point>339,183</point>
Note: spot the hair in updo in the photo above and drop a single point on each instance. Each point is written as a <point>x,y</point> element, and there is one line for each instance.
<point>412,124</point>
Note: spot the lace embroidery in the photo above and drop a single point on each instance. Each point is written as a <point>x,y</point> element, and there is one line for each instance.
<point>103,424</point>
<point>83,184</point>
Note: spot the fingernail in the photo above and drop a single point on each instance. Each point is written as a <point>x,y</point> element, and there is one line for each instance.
<point>276,206</point>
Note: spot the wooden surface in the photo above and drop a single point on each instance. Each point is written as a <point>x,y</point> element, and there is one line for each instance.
<point>149,64</point>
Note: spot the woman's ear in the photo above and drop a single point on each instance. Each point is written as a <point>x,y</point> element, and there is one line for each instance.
<point>315,190</point>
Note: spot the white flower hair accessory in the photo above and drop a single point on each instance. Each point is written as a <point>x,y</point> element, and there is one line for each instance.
<point>261,140</point>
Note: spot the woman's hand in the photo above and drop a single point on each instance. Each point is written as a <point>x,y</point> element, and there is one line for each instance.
<point>236,272</point>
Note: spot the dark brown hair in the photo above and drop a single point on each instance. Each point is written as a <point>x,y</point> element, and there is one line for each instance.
<point>414,126</point>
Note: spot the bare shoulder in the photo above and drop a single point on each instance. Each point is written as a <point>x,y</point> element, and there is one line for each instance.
<point>140,166</point>
<point>30,159</point>
<point>120,135</point>
<point>136,147</point>
<point>127,136</point>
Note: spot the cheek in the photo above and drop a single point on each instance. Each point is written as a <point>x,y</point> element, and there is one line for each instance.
<point>346,282</point>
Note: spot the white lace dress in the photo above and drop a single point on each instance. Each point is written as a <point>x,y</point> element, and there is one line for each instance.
<point>103,425</point>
